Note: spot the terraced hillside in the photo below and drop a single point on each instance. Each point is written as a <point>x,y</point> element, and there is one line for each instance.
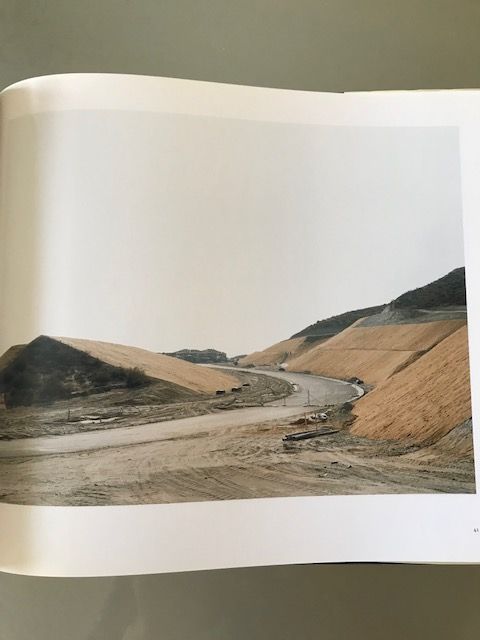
<point>413,351</point>
<point>373,353</point>
<point>374,343</point>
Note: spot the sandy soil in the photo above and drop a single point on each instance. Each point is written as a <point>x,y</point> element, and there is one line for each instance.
<point>229,454</point>
<point>424,401</point>
<point>156,365</point>
<point>120,408</point>
<point>373,353</point>
<point>372,366</point>
<point>280,352</point>
<point>394,337</point>
<point>239,462</point>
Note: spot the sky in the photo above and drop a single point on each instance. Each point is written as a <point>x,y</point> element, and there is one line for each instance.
<point>172,231</point>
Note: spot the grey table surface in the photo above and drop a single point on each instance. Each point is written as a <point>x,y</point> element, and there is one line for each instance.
<point>322,45</point>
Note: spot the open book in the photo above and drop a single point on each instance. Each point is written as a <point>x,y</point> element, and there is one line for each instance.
<point>233,326</point>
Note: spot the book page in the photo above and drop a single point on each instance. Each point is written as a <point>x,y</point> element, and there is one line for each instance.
<point>234,326</point>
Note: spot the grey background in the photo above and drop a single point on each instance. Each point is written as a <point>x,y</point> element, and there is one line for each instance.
<point>326,45</point>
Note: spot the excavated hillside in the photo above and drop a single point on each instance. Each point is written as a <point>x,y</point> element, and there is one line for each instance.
<point>333,325</point>
<point>373,353</point>
<point>280,352</point>
<point>444,293</point>
<point>370,366</point>
<point>155,365</point>
<point>373,343</point>
<point>50,369</point>
<point>394,337</point>
<point>425,401</point>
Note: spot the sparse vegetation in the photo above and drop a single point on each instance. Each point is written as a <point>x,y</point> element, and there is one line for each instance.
<point>156,401</point>
<point>135,377</point>
<point>47,370</point>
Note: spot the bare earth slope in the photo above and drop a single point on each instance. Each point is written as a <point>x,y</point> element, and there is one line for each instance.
<point>423,402</point>
<point>372,366</point>
<point>373,353</point>
<point>280,352</point>
<point>180,372</point>
<point>394,337</point>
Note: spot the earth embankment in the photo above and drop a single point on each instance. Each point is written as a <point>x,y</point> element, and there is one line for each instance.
<point>155,365</point>
<point>279,352</point>
<point>425,401</point>
<point>373,353</point>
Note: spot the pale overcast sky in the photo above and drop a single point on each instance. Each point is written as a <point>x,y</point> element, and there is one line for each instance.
<point>167,231</point>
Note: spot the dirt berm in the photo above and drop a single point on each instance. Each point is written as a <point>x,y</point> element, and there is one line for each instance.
<point>155,365</point>
<point>423,402</point>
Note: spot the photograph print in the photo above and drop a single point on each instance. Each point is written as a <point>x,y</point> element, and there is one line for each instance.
<point>243,309</point>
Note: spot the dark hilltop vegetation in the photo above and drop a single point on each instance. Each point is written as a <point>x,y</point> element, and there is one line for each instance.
<point>447,291</point>
<point>336,324</point>
<point>199,356</point>
<point>46,370</point>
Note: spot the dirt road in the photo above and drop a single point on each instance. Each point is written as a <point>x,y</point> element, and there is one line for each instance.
<point>316,390</point>
<point>222,456</point>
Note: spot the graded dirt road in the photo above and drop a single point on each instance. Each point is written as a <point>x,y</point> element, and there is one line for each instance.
<point>318,391</point>
<point>222,456</point>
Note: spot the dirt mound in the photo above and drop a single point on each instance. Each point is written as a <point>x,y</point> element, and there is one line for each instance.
<point>154,365</point>
<point>47,370</point>
<point>280,352</point>
<point>423,402</point>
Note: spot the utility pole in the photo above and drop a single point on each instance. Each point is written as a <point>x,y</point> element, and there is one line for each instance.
<point>308,396</point>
